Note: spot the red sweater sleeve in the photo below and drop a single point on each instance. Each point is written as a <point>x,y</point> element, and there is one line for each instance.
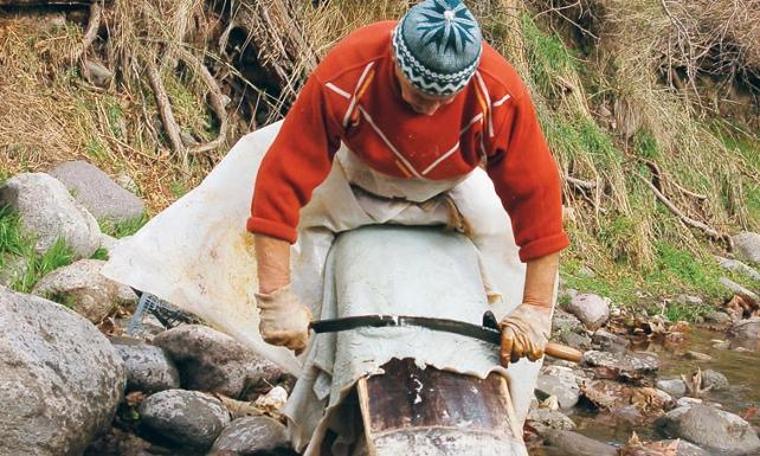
<point>526,179</point>
<point>298,160</point>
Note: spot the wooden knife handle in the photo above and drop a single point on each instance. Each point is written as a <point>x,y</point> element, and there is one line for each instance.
<point>560,351</point>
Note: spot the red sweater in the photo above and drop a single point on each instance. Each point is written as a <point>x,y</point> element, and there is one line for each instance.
<point>354,97</point>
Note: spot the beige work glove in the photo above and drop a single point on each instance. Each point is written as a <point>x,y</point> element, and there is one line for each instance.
<point>525,333</point>
<point>283,320</point>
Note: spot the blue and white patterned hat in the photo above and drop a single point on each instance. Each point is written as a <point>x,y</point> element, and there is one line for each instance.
<point>437,45</point>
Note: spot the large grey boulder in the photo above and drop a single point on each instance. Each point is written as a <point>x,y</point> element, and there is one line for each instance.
<point>211,361</point>
<point>186,418</point>
<point>50,213</point>
<point>148,368</point>
<point>715,430</point>
<point>81,287</point>
<point>675,387</point>
<point>95,190</point>
<point>251,435</point>
<point>569,443</point>
<point>592,310</point>
<point>714,380</point>
<point>60,379</point>
<point>747,246</point>
<point>746,334</point>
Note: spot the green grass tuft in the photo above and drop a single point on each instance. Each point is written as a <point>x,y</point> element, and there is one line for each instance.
<point>125,228</point>
<point>14,242</point>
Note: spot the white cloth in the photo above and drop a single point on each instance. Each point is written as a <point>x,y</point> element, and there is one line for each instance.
<point>197,255</point>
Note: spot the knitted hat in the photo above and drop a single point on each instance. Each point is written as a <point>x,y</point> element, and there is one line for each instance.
<point>437,45</point>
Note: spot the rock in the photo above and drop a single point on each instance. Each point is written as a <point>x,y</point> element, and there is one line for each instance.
<point>107,242</point>
<point>738,289</point>
<point>542,420</point>
<point>592,310</point>
<point>688,300</point>
<point>715,430</point>
<point>209,360</point>
<point>688,402</point>
<point>250,435</point>
<point>126,182</point>
<point>714,380</point>
<point>122,443</point>
<point>97,74</point>
<point>61,379</point>
<point>148,368</point>
<point>738,266</point>
<point>676,447</point>
<point>273,401</point>
<point>634,402</point>
<point>12,268</point>
<point>675,387</point>
<point>81,287</point>
<point>575,340</point>
<point>50,213</point>
<point>560,382</point>
<point>747,246</point>
<point>745,334</point>
<point>95,190</point>
<point>633,367</point>
<point>186,418</point>
<point>718,318</point>
<point>606,341</point>
<point>698,356</point>
<point>569,443</point>
<point>563,322</point>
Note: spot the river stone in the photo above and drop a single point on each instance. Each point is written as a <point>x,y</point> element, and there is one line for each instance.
<point>718,318</point>
<point>49,212</point>
<point>560,382</point>
<point>13,268</point>
<point>635,367</point>
<point>746,334</point>
<point>715,430</point>
<point>81,287</point>
<point>544,419</point>
<point>675,387</point>
<point>61,379</point>
<point>714,380</point>
<point>592,310</point>
<point>564,322</point>
<point>747,246</point>
<point>569,443</point>
<point>251,435</point>
<point>738,289</point>
<point>209,360</point>
<point>148,368</point>
<point>187,418</point>
<point>606,341</point>
<point>94,189</point>
<point>738,266</point>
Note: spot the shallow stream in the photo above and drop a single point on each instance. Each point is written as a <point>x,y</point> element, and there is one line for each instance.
<point>743,395</point>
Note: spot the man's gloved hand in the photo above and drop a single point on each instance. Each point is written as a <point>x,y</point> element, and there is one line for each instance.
<point>525,333</point>
<point>283,320</point>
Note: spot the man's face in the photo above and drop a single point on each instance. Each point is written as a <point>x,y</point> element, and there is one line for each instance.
<point>418,101</point>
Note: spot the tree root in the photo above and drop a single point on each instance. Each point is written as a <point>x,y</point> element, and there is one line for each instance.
<point>165,109</point>
<point>215,98</point>
<point>710,232</point>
